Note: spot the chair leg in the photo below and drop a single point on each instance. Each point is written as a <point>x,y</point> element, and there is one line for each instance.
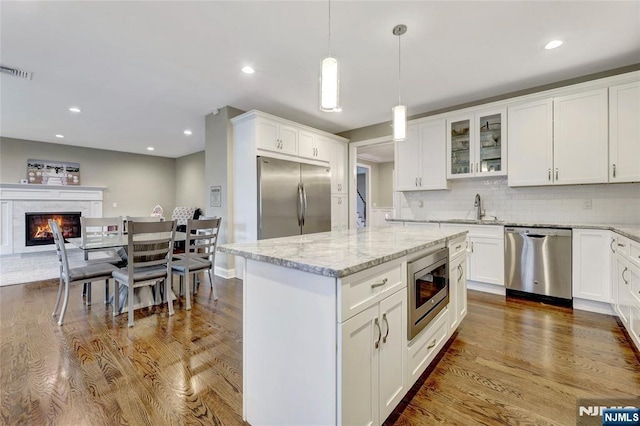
<point>64,302</point>
<point>214,290</point>
<point>116,298</point>
<point>167,295</point>
<point>106,292</point>
<point>187,290</point>
<point>130,303</point>
<point>55,307</point>
<point>88,294</point>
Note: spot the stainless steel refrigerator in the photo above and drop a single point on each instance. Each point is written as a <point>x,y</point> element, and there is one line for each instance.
<point>293,198</point>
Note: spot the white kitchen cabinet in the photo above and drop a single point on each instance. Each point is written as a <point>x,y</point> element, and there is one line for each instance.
<point>313,147</point>
<point>477,144</point>
<point>338,163</point>
<point>530,154</point>
<point>581,138</point>
<point>373,361</point>
<point>278,137</point>
<point>485,252</point>
<point>339,212</point>
<point>624,133</point>
<point>560,141</point>
<point>591,264</point>
<point>457,286</point>
<point>421,157</point>
<point>626,286</point>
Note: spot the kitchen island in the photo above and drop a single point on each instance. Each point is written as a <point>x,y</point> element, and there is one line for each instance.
<point>325,324</point>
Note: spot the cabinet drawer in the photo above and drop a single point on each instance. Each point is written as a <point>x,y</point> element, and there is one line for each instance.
<point>496,231</point>
<point>634,252</point>
<point>634,324</point>
<point>622,245</point>
<point>425,346</point>
<point>361,290</point>
<point>457,247</point>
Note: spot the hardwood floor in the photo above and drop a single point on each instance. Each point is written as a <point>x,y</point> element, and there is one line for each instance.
<point>511,362</point>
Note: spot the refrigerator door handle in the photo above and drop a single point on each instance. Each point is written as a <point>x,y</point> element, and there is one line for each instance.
<point>300,204</point>
<point>304,203</point>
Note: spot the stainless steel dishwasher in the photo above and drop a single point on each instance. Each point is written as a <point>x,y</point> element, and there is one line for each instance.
<point>538,261</point>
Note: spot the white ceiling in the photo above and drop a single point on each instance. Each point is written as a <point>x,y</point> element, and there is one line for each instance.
<point>142,72</point>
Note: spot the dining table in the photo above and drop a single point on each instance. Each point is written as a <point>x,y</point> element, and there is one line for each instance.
<point>143,296</point>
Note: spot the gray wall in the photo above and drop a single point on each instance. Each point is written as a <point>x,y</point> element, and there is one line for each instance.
<point>219,172</point>
<point>190,181</point>
<point>135,182</point>
<point>381,191</point>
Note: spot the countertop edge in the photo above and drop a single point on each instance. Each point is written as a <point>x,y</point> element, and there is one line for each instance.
<point>614,228</point>
<point>338,273</point>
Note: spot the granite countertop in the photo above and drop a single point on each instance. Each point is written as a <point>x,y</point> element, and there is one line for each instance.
<point>629,231</point>
<point>341,253</point>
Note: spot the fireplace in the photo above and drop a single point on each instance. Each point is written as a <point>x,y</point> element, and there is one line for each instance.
<point>38,232</point>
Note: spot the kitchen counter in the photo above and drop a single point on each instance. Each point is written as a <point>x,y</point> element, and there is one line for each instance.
<point>340,253</point>
<point>629,231</point>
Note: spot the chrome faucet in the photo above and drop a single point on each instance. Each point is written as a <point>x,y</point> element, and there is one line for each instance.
<point>478,203</point>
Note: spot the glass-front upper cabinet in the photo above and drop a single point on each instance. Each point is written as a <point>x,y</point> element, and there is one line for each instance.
<point>477,149</point>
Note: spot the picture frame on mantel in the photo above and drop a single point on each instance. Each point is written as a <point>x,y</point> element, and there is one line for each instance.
<point>49,172</point>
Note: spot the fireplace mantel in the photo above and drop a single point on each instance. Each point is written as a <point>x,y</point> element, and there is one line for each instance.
<point>16,199</point>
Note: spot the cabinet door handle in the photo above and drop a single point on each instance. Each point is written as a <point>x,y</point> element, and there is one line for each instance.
<point>623,278</point>
<point>458,247</point>
<point>614,170</point>
<point>621,245</point>
<point>556,173</point>
<point>549,175</point>
<point>379,334</point>
<point>420,181</point>
<point>476,167</point>
<point>460,271</point>
<point>380,284</point>
<point>416,181</point>
<point>384,318</point>
<point>611,245</point>
<point>472,247</point>
<point>432,344</point>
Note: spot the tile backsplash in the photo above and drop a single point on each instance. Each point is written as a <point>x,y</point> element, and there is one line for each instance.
<point>601,204</point>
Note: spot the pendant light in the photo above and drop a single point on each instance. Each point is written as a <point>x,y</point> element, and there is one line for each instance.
<point>329,81</point>
<point>399,111</point>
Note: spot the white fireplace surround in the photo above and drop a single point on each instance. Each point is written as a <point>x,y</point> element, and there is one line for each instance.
<point>18,199</point>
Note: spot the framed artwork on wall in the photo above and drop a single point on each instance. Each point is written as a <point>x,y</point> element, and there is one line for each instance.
<point>215,198</point>
<point>48,172</point>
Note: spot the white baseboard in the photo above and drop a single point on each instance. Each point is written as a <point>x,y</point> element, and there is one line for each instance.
<point>593,306</point>
<point>487,288</point>
<point>224,272</point>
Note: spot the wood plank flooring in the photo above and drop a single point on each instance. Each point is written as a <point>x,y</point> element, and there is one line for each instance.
<point>511,362</point>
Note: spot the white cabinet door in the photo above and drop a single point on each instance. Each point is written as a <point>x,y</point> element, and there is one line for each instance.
<point>457,291</point>
<point>580,138</point>
<point>486,260</point>
<point>623,294</point>
<point>338,162</point>
<point>274,136</point>
<point>490,145</point>
<point>460,137</point>
<point>408,160</point>
<point>314,147</point>
<point>359,368</point>
<point>339,212</point>
<point>591,264</point>
<point>624,133</point>
<point>393,346</point>
<point>530,135</point>
<point>433,155</point>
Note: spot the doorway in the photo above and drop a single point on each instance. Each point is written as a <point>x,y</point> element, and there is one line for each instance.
<point>363,197</point>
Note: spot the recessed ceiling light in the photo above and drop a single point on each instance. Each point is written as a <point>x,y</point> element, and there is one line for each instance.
<point>60,136</point>
<point>188,132</point>
<point>150,148</point>
<point>553,44</point>
<point>248,70</point>
<point>75,109</point>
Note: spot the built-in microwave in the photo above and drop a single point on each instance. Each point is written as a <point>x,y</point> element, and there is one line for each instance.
<point>428,289</point>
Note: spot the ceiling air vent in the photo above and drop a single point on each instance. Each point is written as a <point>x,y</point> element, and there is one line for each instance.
<point>16,72</point>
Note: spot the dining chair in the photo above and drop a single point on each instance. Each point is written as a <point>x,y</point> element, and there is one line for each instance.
<point>104,228</point>
<point>149,248</point>
<point>68,276</point>
<point>200,247</point>
<point>127,219</point>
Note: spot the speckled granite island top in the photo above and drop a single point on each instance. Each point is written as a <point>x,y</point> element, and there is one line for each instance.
<point>340,253</point>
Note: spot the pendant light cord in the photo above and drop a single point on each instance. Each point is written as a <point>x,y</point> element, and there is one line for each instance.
<point>329,27</point>
<point>399,66</point>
